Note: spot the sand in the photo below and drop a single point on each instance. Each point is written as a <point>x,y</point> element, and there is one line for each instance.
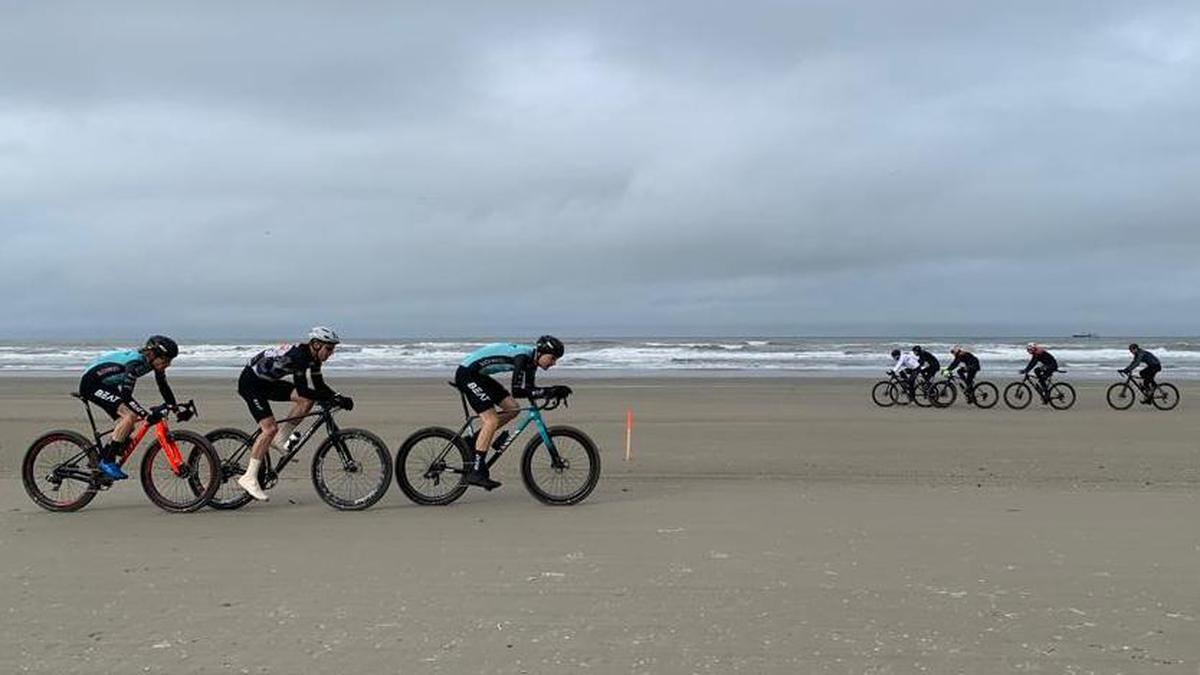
<point>765,525</point>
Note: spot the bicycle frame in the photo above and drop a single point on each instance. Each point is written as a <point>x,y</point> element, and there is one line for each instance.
<point>1139,384</point>
<point>326,421</point>
<point>533,415</point>
<point>170,450</point>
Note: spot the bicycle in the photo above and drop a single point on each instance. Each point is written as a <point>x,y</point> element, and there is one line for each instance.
<point>60,470</point>
<point>898,391</point>
<point>982,394</point>
<point>1059,395</point>
<point>351,468</point>
<point>1121,395</point>
<point>560,466</point>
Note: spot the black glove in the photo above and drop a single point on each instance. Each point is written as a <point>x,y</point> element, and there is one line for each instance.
<point>185,415</point>
<point>560,391</point>
<point>344,402</point>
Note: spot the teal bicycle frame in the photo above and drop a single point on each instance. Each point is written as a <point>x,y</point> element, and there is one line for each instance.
<point>533,415</point>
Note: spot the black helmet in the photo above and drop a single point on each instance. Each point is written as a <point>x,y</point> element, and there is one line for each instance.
<point>163,346</point>
<point>895,353</point>
<point>1133,347</point>
<point>917,349</point>
<point>548,344</point>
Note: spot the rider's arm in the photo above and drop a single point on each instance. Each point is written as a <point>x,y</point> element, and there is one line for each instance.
<point>954,364</point>
<point>1029,366</point>
<point>160,378</point>
<point>319,393</point>
<point>524,374</point>
<point>125,388</point>
<point>322,390</point>
<point>1137,358</point>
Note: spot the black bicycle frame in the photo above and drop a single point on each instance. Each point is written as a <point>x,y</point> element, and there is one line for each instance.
<point>326,421</point>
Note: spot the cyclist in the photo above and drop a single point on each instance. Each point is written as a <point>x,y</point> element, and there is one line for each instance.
<point>1046,365</point>
<point>969,369</point>
<point>108,382</point>
<point>1153,366</point>
<point>484,394</point>
<point>262,381</point>
<point>906,367</point>
<point>928,362</point>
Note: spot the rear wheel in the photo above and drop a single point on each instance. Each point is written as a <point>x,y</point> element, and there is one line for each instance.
<point>566,479</point>
<point>1062,396</point>
<point>1165,396</point>
<point>921,395</point>
<point>431,466</point>
<point>882,394</point>
<point>944,394</point>
<point>195,482</point>
<point>233,449</point>
<point>1121,396</point>
<point>352,469</point>
<point>58,471</point>
<point>1018,395</point>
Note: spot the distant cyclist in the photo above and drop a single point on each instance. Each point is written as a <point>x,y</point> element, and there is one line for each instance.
<point>969,368</point>
<point>109,381</point>
<point>484,394</point>
<point>1043,364</point>
<point>929,363</point>
<point>262,381</point>
<point>1153,367</point>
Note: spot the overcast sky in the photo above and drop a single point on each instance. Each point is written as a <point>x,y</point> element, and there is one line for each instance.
<point>599,168</point>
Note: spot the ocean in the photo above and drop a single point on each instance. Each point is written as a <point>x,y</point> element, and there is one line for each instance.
<point>1086,358</point>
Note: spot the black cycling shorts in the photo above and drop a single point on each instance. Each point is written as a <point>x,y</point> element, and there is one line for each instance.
<point>482,392</point>
<point>106,397</point>
<point>258,393</point>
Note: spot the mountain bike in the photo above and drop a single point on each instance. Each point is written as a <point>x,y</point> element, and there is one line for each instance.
<point>560,465</point>
<point>1059,395</point>
<point>982,394</point>
<point>899,391</point>
<point>1121,395</point>
<point>180,470</point>
<point>351,468</point>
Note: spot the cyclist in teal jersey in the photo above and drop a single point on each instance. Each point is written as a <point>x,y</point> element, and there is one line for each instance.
<point>484,394</point>
<point>108,382</point>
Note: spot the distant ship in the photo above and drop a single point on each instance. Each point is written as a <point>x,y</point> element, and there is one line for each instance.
<point>1084,335</point>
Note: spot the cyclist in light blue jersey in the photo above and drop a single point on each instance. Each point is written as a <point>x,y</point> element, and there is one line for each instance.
<point>484,394</point>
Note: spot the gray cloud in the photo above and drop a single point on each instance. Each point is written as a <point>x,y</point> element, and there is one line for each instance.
<point>600,168</point>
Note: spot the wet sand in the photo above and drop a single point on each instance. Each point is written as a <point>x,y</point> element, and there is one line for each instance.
<point>765,525</point>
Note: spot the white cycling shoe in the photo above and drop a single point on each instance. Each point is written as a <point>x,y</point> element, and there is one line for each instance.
<point>250,485</point>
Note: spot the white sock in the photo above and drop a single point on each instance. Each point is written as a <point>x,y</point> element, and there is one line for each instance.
<point>252,469</point>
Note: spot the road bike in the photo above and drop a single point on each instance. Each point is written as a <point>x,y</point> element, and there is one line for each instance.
<point>180,470</point>
<point>560,465</point>
<point>351,468</point>
<point>1121,395</point>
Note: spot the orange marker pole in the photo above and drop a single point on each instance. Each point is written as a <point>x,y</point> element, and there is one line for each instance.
<point>628,434</point>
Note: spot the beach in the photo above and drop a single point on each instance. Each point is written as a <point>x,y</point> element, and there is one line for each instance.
<point>775,524</point>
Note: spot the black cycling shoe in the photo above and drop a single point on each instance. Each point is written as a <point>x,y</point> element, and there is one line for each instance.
<point>480,478</point>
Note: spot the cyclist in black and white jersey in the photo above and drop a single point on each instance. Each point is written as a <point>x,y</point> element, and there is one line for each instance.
<point>262,381</point>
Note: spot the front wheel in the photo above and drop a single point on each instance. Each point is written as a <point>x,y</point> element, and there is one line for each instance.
<point>986,394</point>
<point>1121,396</point>
<point>189,487</point>
<point>1018,395</point>
<point>352,469</point>
<point>944,394</point>
<point>1062,396</point>
<point>1165,396</point>
<point>566,475</point>
<point>431,466</point>
<point>58,471</point>
<point>883,394</point>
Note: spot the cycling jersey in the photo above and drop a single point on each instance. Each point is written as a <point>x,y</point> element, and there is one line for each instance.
<point>502,357</point>
<point>929,362</point>
<point>113,376</point>
<point>907,361</point>
<point>297,360</point>
<point>1143,356</point>
<point>1043,358</point>
<point>965,359</point>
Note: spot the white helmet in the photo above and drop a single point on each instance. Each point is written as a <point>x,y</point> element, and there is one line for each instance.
<point>1031,347</point>
<point>324,334</point>
<point>956,349</point>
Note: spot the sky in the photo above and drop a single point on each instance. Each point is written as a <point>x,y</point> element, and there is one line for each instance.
<point>599,168</point>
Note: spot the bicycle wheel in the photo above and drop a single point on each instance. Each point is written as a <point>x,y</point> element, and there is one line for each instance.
<point>1121,396</point>
<point>897,394</point>
<point>431,466</point>
<point>233,449</point>
<point>944,394</point>
<point>920,396</point>
<point>881,394</point>
<point>1165,397</point>
<point>1018,395</point>
<point>198,478</point>
<point>1062,396</point>
<point>986,395</point>
<point>352,469</point>
<point>58,471</point>
<point>568,480</point>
